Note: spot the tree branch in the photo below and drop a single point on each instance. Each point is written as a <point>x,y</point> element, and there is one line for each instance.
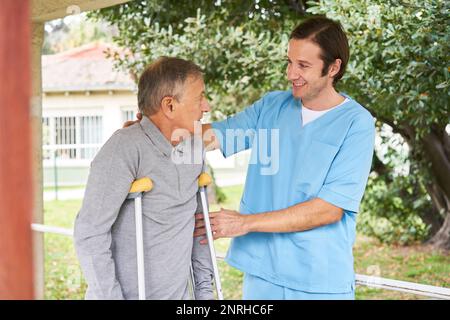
<point>297,6</point>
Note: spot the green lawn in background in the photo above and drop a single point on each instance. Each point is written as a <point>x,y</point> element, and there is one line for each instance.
<point>63,277</point>
<point>61,188</point>
<point>421,264</point>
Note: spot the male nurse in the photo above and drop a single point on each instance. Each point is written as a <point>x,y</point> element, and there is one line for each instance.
<point>295,229</point>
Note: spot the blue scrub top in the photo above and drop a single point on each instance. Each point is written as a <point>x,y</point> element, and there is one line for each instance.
<point>328,158</point>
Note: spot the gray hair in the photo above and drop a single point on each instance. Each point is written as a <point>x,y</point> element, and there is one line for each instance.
<point>164,77</point>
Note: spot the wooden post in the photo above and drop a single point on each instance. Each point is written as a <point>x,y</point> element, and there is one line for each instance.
<point>16,259</point>
<point>37,38</point>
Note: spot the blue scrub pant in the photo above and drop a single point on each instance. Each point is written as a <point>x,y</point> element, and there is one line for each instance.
<point>255,288</point>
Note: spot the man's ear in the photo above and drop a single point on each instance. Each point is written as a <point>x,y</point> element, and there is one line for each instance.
<point>334,68</point>
<point>168,107</point>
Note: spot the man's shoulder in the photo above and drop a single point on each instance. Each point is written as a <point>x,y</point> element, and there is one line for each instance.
<point>360,116</point>
<point>128,134</point>
<point>278,95</point>
<point>130,131</point>
<point>276,100</point>
<point>124,139</point>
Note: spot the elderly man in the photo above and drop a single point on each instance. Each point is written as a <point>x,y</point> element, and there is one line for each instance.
<point>171,98</point>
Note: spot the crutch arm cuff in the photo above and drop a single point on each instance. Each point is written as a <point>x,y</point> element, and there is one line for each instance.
<point>141,185</point>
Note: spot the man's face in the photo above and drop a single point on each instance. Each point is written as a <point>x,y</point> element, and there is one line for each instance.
<point>191,105</point>
<point>304,69</point>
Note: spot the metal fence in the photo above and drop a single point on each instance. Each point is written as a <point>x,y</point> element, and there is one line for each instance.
<point>361,280</point>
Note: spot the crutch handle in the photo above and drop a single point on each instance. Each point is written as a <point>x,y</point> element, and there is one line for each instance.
<point>141,185</point>
<point>204,179</point>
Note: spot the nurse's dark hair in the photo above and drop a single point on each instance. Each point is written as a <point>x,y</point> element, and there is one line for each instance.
<point>164,77</point>
<point>330,37</point>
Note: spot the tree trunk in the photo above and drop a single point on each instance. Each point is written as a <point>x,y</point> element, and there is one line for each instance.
<point>441,239</point>
<point>433,218</point>
<point>437,149</point>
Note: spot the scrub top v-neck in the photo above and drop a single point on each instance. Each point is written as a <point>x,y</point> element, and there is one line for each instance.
<point>309,115</point>
<point>328,158</point>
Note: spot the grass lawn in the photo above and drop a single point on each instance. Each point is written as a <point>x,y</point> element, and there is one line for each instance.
<point>63,277</point>
<point>60,188</point>
<point>421,264</point>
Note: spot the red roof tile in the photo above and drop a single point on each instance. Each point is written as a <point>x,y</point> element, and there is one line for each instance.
<point>84,68</point>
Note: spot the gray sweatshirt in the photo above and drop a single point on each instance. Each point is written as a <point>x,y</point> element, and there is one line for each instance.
<point>104,233</point>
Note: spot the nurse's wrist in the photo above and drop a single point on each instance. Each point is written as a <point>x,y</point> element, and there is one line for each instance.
<point>249,223</point>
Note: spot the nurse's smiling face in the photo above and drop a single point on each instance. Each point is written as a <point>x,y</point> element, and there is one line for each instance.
<point>304,70</point>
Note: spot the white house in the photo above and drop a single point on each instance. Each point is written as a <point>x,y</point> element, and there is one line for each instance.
<point>84,101</point>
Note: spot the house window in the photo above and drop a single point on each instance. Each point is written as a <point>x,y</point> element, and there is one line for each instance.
<point>90,133</point>
<point>71,137</point>
<point>65,137</point>
<point>128,115</point>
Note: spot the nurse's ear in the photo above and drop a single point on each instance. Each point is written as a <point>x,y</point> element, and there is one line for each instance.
<point>334,68</point>
<point>168,107</point>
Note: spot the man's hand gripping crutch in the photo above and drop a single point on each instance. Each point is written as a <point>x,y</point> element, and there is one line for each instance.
<point>137,190</point>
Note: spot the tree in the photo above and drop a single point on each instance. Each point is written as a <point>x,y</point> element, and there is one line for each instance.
<point>398,70</point>
<point>74,31</point>
<point>240,44</point>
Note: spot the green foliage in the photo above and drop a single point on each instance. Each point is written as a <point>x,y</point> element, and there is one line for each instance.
<point>395,198</point>
<point>390,214</point>
<point>220,195</point>
<point>399,70</point>
<point>399,66</point>
<point>240,44</point>
<point>72,32</point>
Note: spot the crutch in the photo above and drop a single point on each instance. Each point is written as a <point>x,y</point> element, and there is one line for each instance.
<point>137,190</point>
<point>203,180</point>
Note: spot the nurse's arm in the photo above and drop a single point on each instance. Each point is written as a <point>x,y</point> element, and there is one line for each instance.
<point>300,217</point>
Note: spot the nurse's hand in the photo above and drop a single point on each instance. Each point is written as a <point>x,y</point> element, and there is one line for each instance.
<point>131,122</point>
<point>224,224</point>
